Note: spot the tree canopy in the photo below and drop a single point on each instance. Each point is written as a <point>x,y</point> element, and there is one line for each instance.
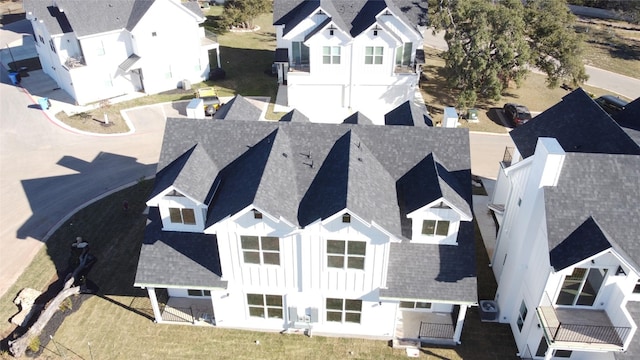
<point>241,13</point>
<point>494,43</point>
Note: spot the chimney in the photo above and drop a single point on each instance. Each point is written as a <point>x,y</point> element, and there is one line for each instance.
<point>548,161</point>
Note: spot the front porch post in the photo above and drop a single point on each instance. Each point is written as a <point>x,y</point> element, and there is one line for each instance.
<point>461,315</point>
<point>218,56</point>
<point>154,304</point>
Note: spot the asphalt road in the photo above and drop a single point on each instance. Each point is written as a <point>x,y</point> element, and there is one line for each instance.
<point>47,173</point>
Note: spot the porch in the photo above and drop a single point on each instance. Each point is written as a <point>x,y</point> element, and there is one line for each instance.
<point>432,327</point>
<point>188,311</point>
<point>581,328</point>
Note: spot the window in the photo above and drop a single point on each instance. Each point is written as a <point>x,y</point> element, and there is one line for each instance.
<point>344,310</point>
<point>265,306</point>
<point>198,292</point>
<point>261,249</point>
<point>300,54</point>
<point>373,55</point>
<point>414,305</point>
<point>331,55</point>
<point>346,218</point>
<point>636,289</point>
<point>522,315</point>
<point>154,34</point>
<point>542,348</point>
<point>403,54</point>
<point>41,38</point>
<point>562,353</point>
<point>182,216</point>
<point>435,227</point>
<point>343,254</point>
<point>52,45</point>
<point>581,287</point>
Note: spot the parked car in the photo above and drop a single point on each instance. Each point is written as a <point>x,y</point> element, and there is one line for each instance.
<point>611,104</point>
<point>517,114</point>
<point>210,98</point>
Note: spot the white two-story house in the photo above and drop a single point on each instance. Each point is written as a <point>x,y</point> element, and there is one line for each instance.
<point>97,50</point>
<point>344,229</point>
<point>567,257</point>
<point>342,56</point>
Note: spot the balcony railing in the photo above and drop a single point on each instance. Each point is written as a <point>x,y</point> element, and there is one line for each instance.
<point>300,68</point>
<point>580,326</point>
<point>507,158</point>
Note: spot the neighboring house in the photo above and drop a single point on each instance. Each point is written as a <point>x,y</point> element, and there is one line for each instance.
<point>567,257</point>
<point>342,56</point>
<point>98,49</point>
<point>343,229</point>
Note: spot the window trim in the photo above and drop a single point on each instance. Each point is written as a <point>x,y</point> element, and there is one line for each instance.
<point>182,216</point>
<point>199,292</point>
<point>522,315</point>
<point>582,284</point>
<point>261,251</point>
<point>346,256</point>
<point>436,227</point>
<point>343,311</point>
<point>374,58</point>
<point>265,306</point>
<point>332,57</point>
<point>427,306</point>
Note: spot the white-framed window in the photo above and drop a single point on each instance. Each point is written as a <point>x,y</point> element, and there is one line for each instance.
<point>262,250</point>
<point>299,54</point>
<point>265,306</point>
<point>415,305</point>
<point>344,310</point>
<point>346,254</point>
<point>522,315</point>
<point>331,54</point>
<point>435,227</point>
<point>198,292</point>
<point>373,55</point>
<point>581,287</point>
<point>182,216</point>
<point>53,46</point>
<point>403,54</point>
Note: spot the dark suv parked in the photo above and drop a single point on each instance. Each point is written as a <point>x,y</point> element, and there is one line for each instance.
<point>611,104</point>
<point>517,114</point>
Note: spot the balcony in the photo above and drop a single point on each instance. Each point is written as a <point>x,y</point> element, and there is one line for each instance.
<point>300,68</point>
<point>578,328</point>
<point>507,158</point>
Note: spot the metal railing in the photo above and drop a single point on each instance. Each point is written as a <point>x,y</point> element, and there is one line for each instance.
<point>211,35</point>
<point>558,330</point>
<point>507,158</point>
<point>300,67</point>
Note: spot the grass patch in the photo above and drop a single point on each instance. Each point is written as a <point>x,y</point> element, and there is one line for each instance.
<point>611,45</point>
<point>533,93</point>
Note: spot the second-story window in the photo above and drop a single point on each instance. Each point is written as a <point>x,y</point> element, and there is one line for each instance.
<point>182,216</point>
<point>260,250</point>
<point>331,55</point>
<point>373,55</point>
<point>299,54</point>
<point>343,254</point>
<point>53,46</point>
<point>403,54</point>
<point>435,227</point>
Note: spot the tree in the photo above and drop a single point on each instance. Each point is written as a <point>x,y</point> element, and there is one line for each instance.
<point>242,13</point>
<point>493,43</point>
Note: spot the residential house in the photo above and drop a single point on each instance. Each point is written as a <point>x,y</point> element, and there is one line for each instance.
<point>342,56</point>
<point>567,257</point>
<point>97,49</point>
<point>343,229</point>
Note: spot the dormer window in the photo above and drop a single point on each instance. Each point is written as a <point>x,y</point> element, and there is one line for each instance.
<point>346,218</point>
<point>257,214</point>
<point>182,216</point>
<point>435,227</point>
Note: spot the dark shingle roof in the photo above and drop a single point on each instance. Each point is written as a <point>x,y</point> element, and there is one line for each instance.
<point>238,108</point>
<point>595,201</point>
<point>303,172</point>
<point>357,118</point>
<point>352,16</point>
<point>408,114</point>
<point>295,116</point>
<point>579,125</point>
<point>166,256</point>
<point>434,272</point>
<point>629,120</point>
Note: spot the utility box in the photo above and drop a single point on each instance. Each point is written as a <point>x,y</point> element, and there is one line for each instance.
<point>450,118</point>
<point>195,109</point>
<point>472,115</point>
<point>186,84</point>
<point>488,311</point>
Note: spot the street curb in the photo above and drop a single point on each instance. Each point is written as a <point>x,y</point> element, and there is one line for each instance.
<point>55,227</point>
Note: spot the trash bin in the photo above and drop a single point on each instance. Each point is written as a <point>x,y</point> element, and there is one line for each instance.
<point>44,103</point>
<point>472,115</point>
<point>15,77</point>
